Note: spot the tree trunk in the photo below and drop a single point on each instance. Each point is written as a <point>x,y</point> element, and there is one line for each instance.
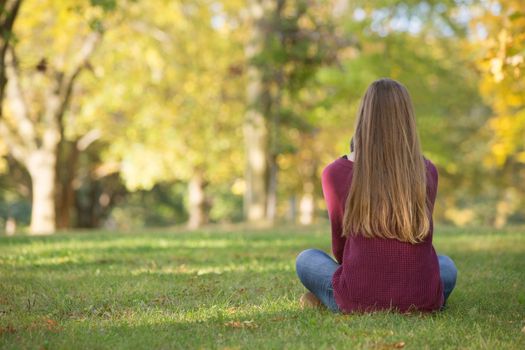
<point>273,167</point>
<point>505,207</point>
<point>41,167</point>
<point>255,135</point>
<point>255,125</point>
<point>67,162</point>
<point>86,204</point>
<point>307,204</point>
<point>8,13</point>
<point>292,209</point>
<point>10,226</point>
<point>265,87</point>
<point>308,171</point>
<point>271,201</point>
<point>197,201</point>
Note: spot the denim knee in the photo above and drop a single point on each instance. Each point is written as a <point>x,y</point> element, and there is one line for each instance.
<point>301,260</point>
<point>448,271</point>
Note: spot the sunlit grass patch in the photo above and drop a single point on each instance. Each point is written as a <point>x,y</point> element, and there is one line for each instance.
<point>237,290</point>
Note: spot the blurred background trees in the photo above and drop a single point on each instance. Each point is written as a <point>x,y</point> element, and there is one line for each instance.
<point>129,113</point>
<point>501,61</point>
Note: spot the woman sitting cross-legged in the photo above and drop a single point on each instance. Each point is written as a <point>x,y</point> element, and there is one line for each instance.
<point>380,201</point>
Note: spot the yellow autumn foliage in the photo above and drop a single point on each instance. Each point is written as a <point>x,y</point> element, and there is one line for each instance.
<point>503,79</point>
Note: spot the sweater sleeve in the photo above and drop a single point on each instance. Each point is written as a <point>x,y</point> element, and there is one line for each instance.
<point>335,213</point>
<point>433,186</point>
<point>436,179</point>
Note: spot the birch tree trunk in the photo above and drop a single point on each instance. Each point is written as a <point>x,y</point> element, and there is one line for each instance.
<point>307,204</point>
<point>308,171</point>
<point>197,201</point>
<point>41,167</point>
<point>255,125</point>
<point>255,134</point>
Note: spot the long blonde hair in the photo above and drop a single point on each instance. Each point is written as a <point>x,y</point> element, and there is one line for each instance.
<point>387,197</point>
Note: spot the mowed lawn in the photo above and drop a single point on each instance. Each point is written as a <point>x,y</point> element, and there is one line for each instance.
<point>236,290</point>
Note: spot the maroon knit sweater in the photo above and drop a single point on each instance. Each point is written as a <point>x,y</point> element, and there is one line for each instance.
<point>378,273</point>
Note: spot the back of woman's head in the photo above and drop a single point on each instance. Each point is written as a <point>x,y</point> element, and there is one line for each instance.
<point>387,197</point>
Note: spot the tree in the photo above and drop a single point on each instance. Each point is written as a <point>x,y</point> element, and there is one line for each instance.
<point>39,93</point>
<point>8,13</point>
<point>436,68</point>
<point>501,52</point>
<point>172,112</point>
<point>287,44</point>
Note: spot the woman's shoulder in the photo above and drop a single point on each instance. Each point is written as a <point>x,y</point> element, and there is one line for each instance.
<point>338,164</point>
<point>432,173</point>
<point>430,166</point>
<point>337,169</point>
<point>343,164</point>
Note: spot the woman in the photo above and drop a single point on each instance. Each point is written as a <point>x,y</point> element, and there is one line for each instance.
<point>380,200</point>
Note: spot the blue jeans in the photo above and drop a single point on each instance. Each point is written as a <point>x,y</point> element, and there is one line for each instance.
<point>448,272</point>
<point>315,269</point>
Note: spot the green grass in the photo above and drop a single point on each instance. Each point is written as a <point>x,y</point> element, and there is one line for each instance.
<point>237,289</point>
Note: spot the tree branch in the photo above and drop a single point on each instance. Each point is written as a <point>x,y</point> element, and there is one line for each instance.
<point>57,100</point>
<point>24,127</point>
<point>85,53</point>
<point>152,31</point>
<point>8,13</point>
<point>85,141</point>
<point>15,146</point>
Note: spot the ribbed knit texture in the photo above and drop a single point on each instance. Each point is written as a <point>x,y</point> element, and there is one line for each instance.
<point>376,273</point>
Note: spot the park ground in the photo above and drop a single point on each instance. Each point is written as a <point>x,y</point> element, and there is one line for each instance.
<point>236,289</point>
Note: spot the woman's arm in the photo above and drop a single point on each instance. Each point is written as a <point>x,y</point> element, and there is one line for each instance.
<point>335,213</point>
